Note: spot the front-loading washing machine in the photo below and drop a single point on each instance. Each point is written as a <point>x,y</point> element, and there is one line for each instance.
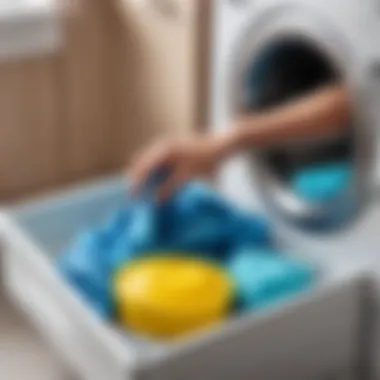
<point>265,53</point>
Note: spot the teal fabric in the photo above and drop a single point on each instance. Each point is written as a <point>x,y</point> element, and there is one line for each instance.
<point>265,276</point>
<point>323,182</point>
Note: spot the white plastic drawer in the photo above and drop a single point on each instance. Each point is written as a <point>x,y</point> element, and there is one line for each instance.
<point>313,336</point>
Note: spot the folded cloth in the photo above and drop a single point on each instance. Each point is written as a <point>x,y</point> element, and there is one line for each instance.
<point>264,276</point>
<point>322,182</point>
<point>196,221</point>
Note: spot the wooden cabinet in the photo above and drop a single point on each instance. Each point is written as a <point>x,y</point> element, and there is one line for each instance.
<point>164,63</point>
<point>30,123</point>
<point>128,71</point>
<point>87,97</point>
<point>56,109</point>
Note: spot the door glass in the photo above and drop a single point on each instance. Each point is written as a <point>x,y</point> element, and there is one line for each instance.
<point>315,171</point>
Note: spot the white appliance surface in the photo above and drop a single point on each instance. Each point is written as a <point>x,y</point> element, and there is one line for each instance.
<point>23,354</point>
<point>356,22</point>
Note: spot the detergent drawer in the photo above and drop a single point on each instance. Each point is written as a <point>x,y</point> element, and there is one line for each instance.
<point>309,337</point>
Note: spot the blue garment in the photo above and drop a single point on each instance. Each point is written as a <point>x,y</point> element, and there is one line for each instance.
<point>323,182</point>
<point>264,276</point>
<point>195,220</point>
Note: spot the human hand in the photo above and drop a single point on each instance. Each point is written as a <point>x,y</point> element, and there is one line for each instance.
<point>184,159</point>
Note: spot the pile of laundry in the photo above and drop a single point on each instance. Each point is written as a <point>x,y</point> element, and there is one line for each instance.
<point>197,222</point>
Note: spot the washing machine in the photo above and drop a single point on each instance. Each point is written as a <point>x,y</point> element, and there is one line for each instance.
<point>265,53</point>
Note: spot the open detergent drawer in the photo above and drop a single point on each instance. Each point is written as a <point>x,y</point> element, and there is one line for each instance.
<point>312,336</point>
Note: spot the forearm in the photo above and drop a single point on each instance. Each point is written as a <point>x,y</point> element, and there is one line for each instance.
<point>323,113</point>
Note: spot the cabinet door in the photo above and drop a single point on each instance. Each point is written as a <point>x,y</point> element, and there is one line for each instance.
<point>29,130</point>
<point>159,68</point>
<point>85,83</point>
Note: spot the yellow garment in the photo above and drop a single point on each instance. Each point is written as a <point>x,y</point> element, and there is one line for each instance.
<point>168,297</point>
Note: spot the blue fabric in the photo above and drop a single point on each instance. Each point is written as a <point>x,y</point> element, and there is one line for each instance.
<point>195,220</point>
<point>264,276</point>
<point>323,182</point>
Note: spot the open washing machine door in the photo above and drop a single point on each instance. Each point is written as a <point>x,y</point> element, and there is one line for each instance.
<point>285,53</point>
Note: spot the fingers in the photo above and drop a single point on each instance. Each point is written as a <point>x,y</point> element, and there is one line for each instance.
<point>148,163</point>
<point>178,178</point>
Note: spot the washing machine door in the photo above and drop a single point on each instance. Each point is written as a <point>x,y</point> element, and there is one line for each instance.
<point>283,55</point>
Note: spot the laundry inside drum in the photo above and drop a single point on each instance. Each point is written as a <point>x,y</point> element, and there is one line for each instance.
<point>315,171</point>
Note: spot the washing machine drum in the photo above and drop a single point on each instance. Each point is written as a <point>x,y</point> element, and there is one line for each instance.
<point>313,184</point>
<point>285,70</point>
